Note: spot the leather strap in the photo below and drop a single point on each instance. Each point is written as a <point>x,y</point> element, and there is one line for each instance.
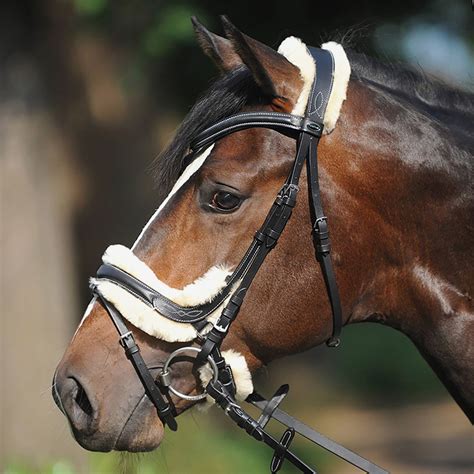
<point>264,241</point>
<point>322,244</point>
<point>157,301</point>
<point>316,437</point>
<point>316,110</point>
<point>132,351</point>
<point>287,124</point>
<point>253,428</point>
<point>322,84</point>
<point>271,405</point>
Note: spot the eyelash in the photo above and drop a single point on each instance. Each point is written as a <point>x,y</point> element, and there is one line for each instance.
<point>234,204</point>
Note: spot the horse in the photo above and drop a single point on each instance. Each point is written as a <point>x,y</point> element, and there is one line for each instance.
<point>395,173</point>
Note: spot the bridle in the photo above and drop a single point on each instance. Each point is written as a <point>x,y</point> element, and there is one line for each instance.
<point>307,131</point>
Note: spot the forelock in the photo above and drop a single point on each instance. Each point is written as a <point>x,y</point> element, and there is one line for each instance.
<point>226,96</point>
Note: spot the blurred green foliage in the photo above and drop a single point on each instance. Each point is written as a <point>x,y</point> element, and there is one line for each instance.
<point>168,29</point>
<point>379,365</point>
<point>56,467</point>
<point>90,7</point>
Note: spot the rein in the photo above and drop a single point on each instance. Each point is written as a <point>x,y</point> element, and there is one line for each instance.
<point>307,131</point>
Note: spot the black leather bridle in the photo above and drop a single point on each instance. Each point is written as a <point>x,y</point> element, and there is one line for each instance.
<point>307,131</point>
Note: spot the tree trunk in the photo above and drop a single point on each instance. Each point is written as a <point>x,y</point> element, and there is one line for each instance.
<point>38,291</point>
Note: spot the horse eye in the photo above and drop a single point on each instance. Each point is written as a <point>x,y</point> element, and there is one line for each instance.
<point>225,201</point>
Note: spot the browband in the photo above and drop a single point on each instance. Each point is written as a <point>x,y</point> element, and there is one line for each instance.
<point>287,124</point>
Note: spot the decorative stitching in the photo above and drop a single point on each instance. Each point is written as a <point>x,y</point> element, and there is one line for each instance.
<point>317,109</point>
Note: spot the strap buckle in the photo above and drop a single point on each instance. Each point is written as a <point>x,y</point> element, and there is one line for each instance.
<point>127,341</point>
<point>287,195</point>
<point>124,338</point>
<point>318,221</point>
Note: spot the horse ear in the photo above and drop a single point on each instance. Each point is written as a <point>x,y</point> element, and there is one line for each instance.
<point>275,75</point>
<point>219,49</point>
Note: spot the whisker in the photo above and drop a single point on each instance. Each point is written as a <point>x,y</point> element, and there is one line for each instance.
<point>47,390</point>
<point>165,461</point>
<point>129,463</point>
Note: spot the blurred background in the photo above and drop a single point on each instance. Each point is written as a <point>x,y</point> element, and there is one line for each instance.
<point>90,92</point>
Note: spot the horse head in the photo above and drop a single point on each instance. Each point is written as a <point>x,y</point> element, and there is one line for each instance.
<point>219,194</point>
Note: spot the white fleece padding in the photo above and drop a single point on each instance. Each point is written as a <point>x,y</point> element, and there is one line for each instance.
<point>342,74</point>
<point>147,318</point>
<point>199,291</point>
<point>297,53</point>
<point>240,371</point>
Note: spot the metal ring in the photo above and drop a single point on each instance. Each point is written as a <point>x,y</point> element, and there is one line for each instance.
<point>176,353</point>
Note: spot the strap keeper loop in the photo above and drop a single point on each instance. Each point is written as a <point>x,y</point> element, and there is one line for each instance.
<point>322,249</point>
<point>259,236</point>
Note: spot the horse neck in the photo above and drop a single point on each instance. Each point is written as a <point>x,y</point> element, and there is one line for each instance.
<point>397,189</point>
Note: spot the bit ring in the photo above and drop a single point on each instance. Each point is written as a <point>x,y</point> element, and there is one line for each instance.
<point>166,379</point>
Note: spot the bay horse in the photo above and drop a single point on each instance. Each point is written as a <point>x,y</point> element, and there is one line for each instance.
<point>396,174</point>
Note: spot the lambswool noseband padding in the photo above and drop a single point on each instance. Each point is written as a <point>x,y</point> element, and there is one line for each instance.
<point>127,288</point>
<point>151,304</point>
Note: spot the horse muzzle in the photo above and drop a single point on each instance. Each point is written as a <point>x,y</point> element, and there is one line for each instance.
<point>96,428</point>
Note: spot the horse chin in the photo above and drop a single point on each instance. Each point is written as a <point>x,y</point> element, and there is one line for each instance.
<point>143,431</point>
<point>136,438</point>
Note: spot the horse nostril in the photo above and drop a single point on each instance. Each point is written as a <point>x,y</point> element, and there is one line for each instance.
<point>78,406</point>
<point>82,401</point>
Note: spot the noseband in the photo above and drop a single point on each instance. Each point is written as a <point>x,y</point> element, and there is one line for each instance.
<point>307,131</point>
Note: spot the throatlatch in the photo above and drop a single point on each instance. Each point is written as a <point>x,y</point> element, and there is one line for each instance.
<point>307,131</point>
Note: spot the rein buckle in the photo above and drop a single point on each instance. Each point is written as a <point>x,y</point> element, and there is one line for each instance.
<point>127,341</point>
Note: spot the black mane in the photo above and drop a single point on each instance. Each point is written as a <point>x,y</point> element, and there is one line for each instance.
<point>226,96</point>
<point>442,101</point>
